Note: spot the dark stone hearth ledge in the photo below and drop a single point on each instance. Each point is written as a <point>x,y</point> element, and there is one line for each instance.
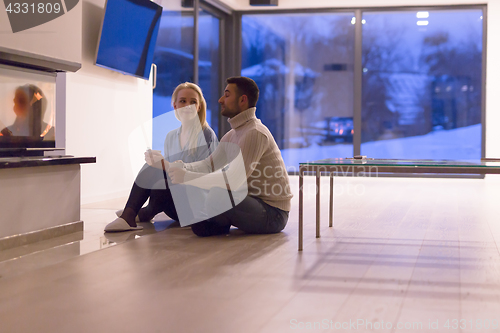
<point>34,161</point>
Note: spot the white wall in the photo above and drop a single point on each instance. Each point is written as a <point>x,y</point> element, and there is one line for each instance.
<point>492,81</point>
<point>57,39</point>
<point>103,108</point>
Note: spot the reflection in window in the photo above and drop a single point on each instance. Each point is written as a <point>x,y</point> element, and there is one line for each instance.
<point>422,84</point>
<point>303,65</point>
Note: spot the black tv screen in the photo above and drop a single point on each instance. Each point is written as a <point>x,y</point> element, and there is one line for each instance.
<point>128,36</point>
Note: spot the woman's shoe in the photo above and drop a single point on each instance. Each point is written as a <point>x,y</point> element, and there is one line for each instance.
<point>120,237</point>
<point>120,225</point>
<point>120,212</point>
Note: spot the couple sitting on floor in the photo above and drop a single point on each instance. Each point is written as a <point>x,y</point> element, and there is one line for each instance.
<point>241,181</point>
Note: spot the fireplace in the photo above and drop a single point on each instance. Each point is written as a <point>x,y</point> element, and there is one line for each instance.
<point>27,111</point>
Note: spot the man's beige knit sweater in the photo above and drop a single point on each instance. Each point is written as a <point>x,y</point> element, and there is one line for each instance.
<point>265,172</point>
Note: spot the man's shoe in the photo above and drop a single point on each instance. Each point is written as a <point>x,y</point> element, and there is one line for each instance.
<point>208,228</point>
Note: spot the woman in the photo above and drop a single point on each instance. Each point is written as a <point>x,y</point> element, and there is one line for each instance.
<point>191,142</point>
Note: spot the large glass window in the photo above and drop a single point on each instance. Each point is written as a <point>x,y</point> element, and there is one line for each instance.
<point>174,59</point>
<point>422,84</point>
<point>303,65</point>
<point>208,65</point>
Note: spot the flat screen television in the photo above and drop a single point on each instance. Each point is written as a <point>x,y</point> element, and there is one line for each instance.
<point>27,111</point>
<point>128,36</point>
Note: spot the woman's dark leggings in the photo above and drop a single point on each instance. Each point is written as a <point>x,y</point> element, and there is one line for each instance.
<point>151,183</point>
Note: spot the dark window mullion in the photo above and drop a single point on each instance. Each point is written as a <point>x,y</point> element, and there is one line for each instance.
<point>358,81</point>
<point>196,47</point>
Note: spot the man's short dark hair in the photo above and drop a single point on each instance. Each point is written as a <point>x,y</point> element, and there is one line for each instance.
<point>246,86</point>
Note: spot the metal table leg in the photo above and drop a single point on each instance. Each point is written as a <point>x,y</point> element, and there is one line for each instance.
<point>301,207</point>
<point>331,200</point>
<point>318,178</point>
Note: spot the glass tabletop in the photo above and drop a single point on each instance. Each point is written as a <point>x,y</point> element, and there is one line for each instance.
<point>393,162</point>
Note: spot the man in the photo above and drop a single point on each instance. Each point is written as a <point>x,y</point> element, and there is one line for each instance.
<point>266,207</point>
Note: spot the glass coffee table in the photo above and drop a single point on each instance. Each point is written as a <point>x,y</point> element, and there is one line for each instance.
<point>367,167</point>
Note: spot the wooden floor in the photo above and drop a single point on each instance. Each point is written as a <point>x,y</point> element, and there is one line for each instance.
<point>418,253</point>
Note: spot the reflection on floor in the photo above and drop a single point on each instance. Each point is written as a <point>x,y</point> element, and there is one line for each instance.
<point>413,254</point>
<point>95,216</point>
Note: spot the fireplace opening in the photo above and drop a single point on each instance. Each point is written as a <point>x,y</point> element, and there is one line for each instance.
<point>27,111</point>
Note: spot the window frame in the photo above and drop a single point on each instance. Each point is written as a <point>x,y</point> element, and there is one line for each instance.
<point>358,43</point>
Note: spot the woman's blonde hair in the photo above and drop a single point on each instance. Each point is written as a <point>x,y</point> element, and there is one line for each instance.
<point>202,114</point>
<point>197,126</point>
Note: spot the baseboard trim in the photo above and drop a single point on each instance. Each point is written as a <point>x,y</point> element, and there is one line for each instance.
<point>40,235</point>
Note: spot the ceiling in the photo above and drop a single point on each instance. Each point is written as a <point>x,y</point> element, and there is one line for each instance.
<point>294,4</point>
